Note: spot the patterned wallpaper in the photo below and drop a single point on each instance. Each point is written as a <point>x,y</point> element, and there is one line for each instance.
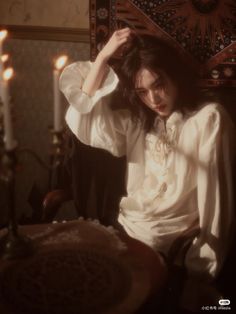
<point>32,98</point>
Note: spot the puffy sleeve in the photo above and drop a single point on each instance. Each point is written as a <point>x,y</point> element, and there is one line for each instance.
<point>90,118</point>
<point>214,193</point>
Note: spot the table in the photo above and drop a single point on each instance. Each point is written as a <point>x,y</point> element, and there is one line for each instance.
<point>80,267</point>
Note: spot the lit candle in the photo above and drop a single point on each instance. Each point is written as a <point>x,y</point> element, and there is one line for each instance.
<point>3,35</point>
<point>58,125</point>
<point>10,143</point>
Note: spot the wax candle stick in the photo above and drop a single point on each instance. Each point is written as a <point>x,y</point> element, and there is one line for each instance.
<point>58,122</point>
<point>57,101</point>
<point>10,143</point>
<point>3,35</point>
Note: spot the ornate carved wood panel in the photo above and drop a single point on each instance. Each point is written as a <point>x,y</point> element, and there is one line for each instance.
<point>203,30</point>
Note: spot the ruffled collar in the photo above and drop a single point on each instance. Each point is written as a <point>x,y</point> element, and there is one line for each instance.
<point>173,120</point>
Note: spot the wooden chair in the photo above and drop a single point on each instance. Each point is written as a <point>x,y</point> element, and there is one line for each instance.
<point>92,177</point>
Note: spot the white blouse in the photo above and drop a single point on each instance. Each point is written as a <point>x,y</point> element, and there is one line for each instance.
<point>178,174</point>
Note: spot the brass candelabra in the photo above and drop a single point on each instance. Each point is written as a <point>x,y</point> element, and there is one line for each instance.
<point>13,244</point>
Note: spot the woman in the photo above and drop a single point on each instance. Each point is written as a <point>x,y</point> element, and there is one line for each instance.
<point>178,150</point>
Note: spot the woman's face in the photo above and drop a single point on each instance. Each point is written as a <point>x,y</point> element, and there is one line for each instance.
<point>156,91</point>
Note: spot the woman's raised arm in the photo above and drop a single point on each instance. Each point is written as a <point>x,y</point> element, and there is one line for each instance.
<point>98,70</point>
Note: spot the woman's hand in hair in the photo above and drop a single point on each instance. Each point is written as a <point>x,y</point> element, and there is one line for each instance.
<point>98,71</point>
<point>116,43</point>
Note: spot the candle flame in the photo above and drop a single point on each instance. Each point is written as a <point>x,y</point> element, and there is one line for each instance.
<point>5,58</point>
<point>3,34</point>
<point>60,62</point>
<point>7,74</point>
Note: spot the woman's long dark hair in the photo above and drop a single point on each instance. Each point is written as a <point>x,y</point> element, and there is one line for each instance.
<point>147,51</point>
